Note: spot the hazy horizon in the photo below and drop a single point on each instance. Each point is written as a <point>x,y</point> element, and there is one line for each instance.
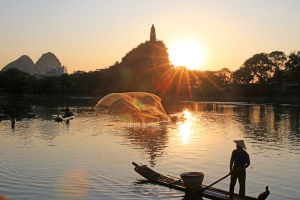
<point>95,34</point>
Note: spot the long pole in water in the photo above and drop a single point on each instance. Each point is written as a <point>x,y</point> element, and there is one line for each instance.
<point>215,182</point>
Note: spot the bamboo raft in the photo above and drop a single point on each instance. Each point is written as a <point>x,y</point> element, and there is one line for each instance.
<point>177,183</point>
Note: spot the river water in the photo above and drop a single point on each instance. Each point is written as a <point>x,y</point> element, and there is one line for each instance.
<point>90,157</point>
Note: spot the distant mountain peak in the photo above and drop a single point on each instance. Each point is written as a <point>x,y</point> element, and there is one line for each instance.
<point>23,63</point>
<point>24,57</point>
<point>49,58</point>
<point>49,54</point>
<point>48,64</point>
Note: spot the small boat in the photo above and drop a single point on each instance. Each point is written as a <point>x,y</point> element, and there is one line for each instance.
<point>60,118</point>
<point>178,184</point>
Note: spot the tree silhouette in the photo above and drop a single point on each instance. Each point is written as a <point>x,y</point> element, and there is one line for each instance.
<point>147,68</point>
<point>278,59</point>
<point>17,82</point>
<point>244,75</point>
<point>293,66</point>
<point>260,66</point>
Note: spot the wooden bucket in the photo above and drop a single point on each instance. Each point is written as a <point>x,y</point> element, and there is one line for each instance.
<point>192,180</point>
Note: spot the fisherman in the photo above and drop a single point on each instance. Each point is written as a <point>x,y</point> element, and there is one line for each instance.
<point>68,113</point>
<point>238,163</point>
<point>13,123</point>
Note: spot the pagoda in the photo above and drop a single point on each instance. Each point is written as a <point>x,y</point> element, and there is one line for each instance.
<point>152,34</point>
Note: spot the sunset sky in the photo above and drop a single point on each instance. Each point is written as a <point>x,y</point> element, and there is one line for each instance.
<point>92,34</point>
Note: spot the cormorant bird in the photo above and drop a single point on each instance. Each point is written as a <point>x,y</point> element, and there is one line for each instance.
<point>264,195</point>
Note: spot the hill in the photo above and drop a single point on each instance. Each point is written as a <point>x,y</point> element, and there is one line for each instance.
<point>142,67</point>
<point>24,63</point>
<point>47,65</point>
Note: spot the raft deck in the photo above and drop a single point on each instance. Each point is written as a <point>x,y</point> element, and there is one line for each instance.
<point>177,183</point>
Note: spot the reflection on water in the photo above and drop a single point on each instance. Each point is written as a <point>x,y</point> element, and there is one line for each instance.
<point>74,184</point>
<point>15,109</point>
<point>185,126</point>
<point>262,123</point>
<point>90,157</point>
<point>269,124</point>
<point>151,138</point>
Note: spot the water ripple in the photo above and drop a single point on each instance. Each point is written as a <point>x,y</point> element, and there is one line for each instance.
<point>90,158</point>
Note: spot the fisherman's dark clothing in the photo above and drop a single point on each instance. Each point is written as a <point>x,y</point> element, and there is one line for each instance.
<point>241,161</point>
<point>67,113</point>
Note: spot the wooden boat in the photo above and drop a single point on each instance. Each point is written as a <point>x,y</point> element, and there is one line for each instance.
<point>177,183</point>
<point>61,118</point>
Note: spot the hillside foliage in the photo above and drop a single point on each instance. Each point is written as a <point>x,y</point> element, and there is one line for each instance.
<point>147,68</point>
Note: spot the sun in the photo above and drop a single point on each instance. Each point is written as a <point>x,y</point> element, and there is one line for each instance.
<point>186,52</point>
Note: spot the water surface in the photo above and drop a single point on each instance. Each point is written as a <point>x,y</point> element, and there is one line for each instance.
<point>90,158</point>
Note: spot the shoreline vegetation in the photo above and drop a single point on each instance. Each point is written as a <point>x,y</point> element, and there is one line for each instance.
<point>166,100</point>
<point>264,78</point>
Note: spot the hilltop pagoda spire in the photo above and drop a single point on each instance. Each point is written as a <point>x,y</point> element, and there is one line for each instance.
<point>152,34</point>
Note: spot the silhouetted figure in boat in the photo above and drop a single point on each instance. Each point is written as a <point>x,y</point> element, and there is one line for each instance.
<point>264,195</point>
<point>68,112</point>
<point>238,163</point>
<point>58,118</point>
<point>13,123</point>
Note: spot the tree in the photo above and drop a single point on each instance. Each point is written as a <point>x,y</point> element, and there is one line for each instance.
<point>278,59</point>
<point>260,66</point>
<point>17,82</point>
<point>225,76</point>
<point>243,75</point>
<point>293,66</point>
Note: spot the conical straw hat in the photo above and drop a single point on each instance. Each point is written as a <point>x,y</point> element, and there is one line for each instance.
<point>240,143</point>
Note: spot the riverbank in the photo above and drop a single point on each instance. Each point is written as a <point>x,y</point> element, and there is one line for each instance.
<point>61,100</point>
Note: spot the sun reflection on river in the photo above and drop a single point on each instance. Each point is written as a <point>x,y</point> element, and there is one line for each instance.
<point>185,127</point>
